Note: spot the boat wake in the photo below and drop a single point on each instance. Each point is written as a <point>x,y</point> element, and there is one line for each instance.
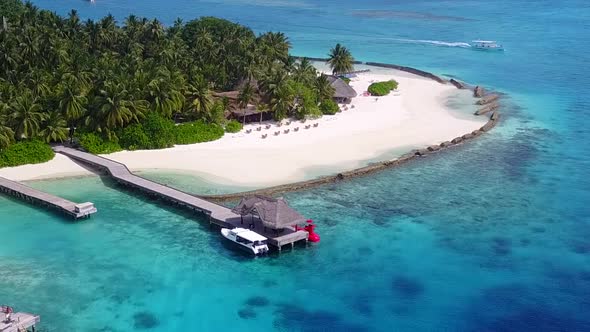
<point>433,42</point>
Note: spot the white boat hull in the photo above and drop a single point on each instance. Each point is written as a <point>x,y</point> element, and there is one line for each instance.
<point>250,248</point>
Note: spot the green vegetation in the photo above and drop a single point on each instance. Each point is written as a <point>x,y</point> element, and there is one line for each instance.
<point>93,143</point>
<point>340,60</point>
<point>198,132</point>
<point>233,126</point>
<point>25,152</point>
<point>329,107</point>
<point>382,88</point>
<point>124,85</point>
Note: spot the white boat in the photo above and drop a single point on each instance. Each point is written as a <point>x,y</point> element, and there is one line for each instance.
<point>246,239</point>
<point>486,45</point>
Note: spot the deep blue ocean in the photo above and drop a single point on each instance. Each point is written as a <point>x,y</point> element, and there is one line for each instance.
<point>490,236</point>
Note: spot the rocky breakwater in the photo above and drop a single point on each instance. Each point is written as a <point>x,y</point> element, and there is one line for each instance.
<point>457,84</point>
<point>490,103</point>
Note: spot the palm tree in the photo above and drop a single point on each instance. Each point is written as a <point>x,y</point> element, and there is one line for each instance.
<point>324,88</point>
<point>261,108</point>
<point>274,46</point>
<point>282,102</point>
<point>164,93</point>
<point>340,60</point>
<point>304,72</point>
<point>26,115</point>
<point>199,96</point>
<point>72,99</point>
<point>244,98</point>
<point>271,81</point>
<point>6,133</point>
<point>113,109</point>
<point>54,128</point>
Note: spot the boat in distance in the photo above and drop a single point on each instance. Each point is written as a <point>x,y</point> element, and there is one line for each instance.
<point>247,240</point>
<point>486,45</point>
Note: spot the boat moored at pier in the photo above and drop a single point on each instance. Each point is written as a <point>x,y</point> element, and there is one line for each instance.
<point>247,240</point>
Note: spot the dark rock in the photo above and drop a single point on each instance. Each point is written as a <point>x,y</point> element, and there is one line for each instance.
<point>145,320</point>
<point>257,301</point>
<point>502,246</point>
<point>488,108</point>
<point>407,287</point>
<point>269,283</point>
<point>487,99</point>
<point>476,133</point>
<point>433,148</point>
<point>457,140</point>
<point>478,92</point>
<point>457,84</point>
<point>467,136</point>
<point>247,313</point>
<point>488,126</point>
<point>495,116</point>
<point>365,251</point>
<point>422,152</point>
<point>445,144</point>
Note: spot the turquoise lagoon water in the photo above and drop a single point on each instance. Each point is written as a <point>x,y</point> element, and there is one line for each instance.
<point>490,236</point>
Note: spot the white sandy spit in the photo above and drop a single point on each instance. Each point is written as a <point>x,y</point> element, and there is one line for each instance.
<point>415,116</point>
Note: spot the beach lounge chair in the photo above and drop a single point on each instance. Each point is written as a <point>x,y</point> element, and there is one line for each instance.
<point>316,124</point>
<point>287,123</point>
<point>259,129</point>
<point>277,133</point>
<point>308,126</point>
<point>267,126</point>
<point>248,131</point>
<point>286,131</point>
<point>351,106</point>
<point>264,136</point>
<point>296,129</point>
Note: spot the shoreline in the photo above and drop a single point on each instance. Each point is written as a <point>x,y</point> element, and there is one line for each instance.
<point>152,159</point>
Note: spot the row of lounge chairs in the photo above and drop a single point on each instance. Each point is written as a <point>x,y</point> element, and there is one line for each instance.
<point>286,131</point>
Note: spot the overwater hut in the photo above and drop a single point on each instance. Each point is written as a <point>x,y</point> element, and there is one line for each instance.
<point>343,93</point>
<point>273,213</point>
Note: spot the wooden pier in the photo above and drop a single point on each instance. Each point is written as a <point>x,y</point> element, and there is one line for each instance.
<point>20,321</point>
<point>217,214</point>
<point>29,194</point>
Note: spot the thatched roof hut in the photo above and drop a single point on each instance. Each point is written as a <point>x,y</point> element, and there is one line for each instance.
<point>342,91</point>
<point>273,213</point>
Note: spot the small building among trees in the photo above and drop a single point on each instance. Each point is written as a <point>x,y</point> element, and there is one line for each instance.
<point>343,93</point>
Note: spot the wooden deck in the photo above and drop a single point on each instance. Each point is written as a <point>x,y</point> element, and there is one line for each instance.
<point>29,194</point>
<point>20,321</point>
<point>218,214</point>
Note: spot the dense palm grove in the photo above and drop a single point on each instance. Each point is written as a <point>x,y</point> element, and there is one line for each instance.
<point>120,86</point>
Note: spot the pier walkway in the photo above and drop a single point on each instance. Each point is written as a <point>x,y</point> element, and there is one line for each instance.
<point>29,194</point>
<point>19,321</point>
<point>218,214</point>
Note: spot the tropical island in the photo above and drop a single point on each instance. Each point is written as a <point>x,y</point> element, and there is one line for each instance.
<point>207,96</point>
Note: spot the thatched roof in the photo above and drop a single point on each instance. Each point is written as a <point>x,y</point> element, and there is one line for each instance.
<point>342,89</point>
<point>274,213</point>
<point>249,110</point>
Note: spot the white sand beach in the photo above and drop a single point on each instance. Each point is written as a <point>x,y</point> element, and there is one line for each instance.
<point>415,116</point>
